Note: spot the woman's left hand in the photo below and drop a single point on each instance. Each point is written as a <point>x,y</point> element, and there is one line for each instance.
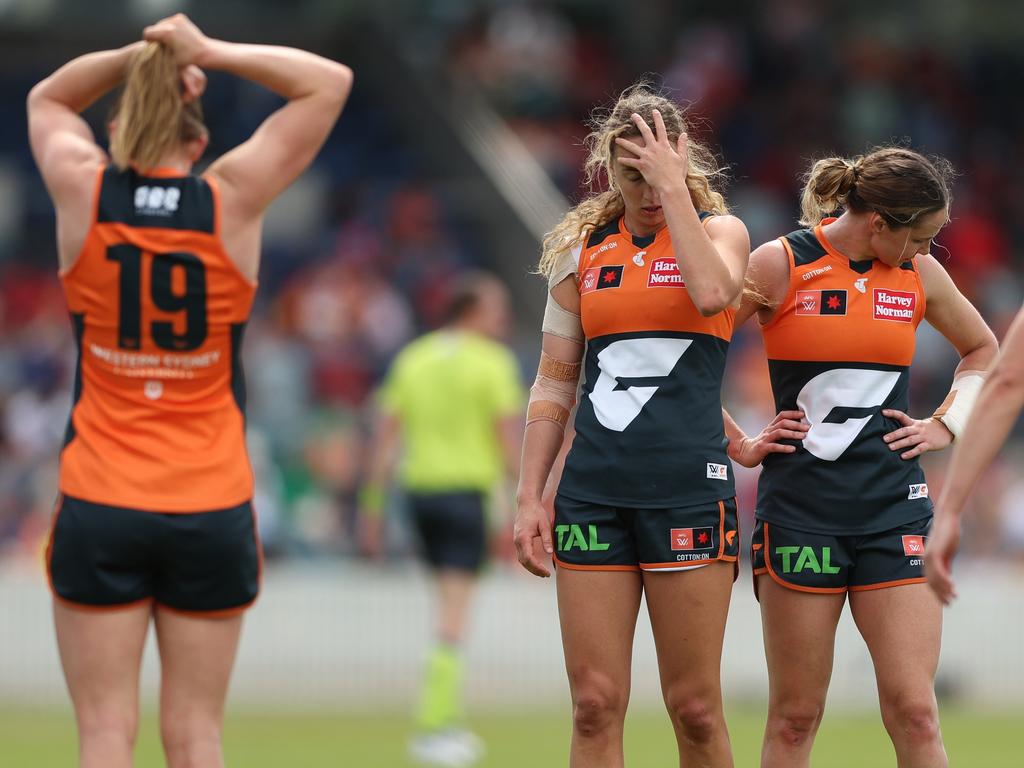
<point>916,435</point>
<point>663,166</point>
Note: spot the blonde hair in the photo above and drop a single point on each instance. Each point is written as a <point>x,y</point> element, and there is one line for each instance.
<point>897,183</point>
<point>152,118</point>
<point>599,208</point>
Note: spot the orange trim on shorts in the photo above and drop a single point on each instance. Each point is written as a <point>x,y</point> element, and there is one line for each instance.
<point>574,567</point>
<point>225,613</point>
<point>887,584</point>
<point>89,608</point>
<point>778,579</point>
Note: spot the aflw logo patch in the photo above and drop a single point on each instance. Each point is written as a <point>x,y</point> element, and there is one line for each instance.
<point>913,546</point>
<point>665,272</point>
<point>692,538</point>
<point>894,305</point>
<point>718,471</point>
<point>157,201</point>
<point>598,278</point>
<point>825,302</point>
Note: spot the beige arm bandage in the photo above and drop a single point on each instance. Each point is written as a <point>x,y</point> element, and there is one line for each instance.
<point>559,321</point>
<point>956,408</point>
<point>553,394</point>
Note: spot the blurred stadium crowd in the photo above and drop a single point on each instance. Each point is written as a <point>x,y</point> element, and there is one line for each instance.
<point>359,255</point>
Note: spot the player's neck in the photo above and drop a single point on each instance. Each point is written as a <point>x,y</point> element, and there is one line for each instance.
<point>849,237</point>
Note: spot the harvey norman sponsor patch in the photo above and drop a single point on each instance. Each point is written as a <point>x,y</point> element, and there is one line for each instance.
<point>665,271</point>
<point>898,306</point>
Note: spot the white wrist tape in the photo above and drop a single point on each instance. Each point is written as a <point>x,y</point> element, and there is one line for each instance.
<point>956,408</point>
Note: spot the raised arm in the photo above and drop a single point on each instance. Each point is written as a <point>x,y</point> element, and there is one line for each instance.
<point>999,405</point>
<point>255,172</point>
<point>62,143</point>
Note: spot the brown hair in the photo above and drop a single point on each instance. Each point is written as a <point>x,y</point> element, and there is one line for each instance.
<point>599,208</point>
<point>897,183</point>
<point>152,118</point>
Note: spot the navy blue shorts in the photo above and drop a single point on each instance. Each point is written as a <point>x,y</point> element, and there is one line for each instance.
<point>590,536</point>
<point>815,562</point>
<point>112,557</point>
<point>452,528</point>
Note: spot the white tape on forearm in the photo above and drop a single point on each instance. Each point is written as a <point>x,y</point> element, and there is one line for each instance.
<point>956,409</point>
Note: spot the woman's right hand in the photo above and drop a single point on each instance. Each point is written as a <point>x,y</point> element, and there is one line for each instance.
<point>751,451</point>
<point>178,33</point>
<point>531,534</point>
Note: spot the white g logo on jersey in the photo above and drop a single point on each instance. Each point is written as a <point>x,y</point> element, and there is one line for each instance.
<point>853,389</point>
<point>631,359</point>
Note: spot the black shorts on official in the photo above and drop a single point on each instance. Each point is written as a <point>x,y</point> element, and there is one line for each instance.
<point>590,536</point>
<point>452,528</point>
<point>108,557</point>
<point>814,562</point>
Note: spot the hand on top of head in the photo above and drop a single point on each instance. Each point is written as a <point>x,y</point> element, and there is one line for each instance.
<point>180,35</point>
<point>659,159</point>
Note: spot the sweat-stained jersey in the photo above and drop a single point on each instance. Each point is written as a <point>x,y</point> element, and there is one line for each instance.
<point>158,309</point>
<point>839,349</point>
<point>649,430</point>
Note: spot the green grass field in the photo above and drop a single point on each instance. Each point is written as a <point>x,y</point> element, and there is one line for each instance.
<point>47,739</point>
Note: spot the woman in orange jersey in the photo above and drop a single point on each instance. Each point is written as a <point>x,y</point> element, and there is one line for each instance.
<point>846,514</point>
<point>646,274</point>
<point>159,266</point>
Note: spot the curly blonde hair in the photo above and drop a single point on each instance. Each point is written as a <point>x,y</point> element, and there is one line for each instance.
<point>601,207</point>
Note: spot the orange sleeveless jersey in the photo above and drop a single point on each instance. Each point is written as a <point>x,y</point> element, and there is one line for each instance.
<point>158,310</point>
<point>839,348</point>
<point>649,430</point>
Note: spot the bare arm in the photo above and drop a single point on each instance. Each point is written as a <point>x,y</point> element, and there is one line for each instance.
<point>954,317</point>
<point>62,143</point>
<point>383,453</point>
<point>257,171</point>
<point>766,283</point>
<point>712,260</point>
<point>999,405</point>
<point>541,443</point>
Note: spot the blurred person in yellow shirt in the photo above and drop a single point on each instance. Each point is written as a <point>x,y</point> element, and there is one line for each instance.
<point>452,406</point>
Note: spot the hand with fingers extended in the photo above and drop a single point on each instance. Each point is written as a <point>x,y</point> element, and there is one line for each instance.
<point>916,436</point>
<point>751,451</point>
<point>941,546</point>
<point>532,536</point>
<point>663,163</point>
<point>178,33</point>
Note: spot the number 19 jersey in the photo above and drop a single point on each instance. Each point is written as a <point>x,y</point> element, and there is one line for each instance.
<point>649,430</point>
<point>158,309</point>
<point>839,349</point>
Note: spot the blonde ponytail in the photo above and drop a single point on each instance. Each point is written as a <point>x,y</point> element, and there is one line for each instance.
<point>152,118</point>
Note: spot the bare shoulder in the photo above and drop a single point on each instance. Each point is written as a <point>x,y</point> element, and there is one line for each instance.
<point>725,225</point>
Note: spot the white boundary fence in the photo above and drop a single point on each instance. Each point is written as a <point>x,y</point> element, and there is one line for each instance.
<point>351,638</point>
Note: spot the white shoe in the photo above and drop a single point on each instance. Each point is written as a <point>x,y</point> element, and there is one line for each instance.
<point>452,748</point>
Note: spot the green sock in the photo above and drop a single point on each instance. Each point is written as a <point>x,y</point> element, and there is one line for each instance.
<point>440,705</point>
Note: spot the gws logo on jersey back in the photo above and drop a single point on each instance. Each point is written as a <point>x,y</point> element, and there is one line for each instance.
<point>630,370</point>
<point>839,403</point>
<point>156,201</point>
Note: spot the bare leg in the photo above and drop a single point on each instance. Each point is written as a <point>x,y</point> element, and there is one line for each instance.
<point>799,644</point>
<point>688,613</point>
<point>196,657</point>
<point>902,627</point>
<point>101,652</point>
<point>597,611</point>
<point>455,590</point>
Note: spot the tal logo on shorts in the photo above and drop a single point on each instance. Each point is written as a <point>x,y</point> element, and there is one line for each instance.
<point>913,546</point>
<point>806,560</point>
<point>692,538</point>
<point>571,537</point>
